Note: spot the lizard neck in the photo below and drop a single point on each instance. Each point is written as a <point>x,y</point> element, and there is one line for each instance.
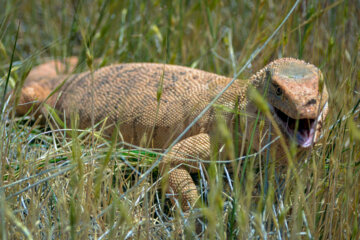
<point>237,92</point>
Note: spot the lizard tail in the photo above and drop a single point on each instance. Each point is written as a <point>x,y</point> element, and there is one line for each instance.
<point>51,69</point>
<point>41,81</point>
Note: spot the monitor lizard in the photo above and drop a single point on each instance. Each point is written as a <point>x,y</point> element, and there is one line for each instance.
<point>156,102</point>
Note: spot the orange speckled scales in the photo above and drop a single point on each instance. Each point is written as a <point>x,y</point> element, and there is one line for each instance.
<point>127,95</point>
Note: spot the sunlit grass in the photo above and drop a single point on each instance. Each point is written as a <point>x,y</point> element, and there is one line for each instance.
<point>61,184</point>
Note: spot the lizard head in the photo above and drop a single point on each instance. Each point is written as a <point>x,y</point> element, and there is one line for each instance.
<point>297,98</point>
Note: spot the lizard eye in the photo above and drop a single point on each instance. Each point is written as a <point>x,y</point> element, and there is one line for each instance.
<point>278,90</point>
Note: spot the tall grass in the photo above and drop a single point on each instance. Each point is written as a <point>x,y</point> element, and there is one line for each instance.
<point>75,184</point>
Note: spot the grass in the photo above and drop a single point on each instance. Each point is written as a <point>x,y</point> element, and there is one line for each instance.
<point>75,184</point>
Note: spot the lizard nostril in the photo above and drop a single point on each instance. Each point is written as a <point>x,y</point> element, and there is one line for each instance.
<point>311,102</point>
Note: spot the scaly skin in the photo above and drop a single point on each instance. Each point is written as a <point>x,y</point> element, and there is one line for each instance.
<point>127,94</point>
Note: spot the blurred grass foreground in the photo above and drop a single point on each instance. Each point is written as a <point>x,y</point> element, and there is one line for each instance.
<point>73,184</point>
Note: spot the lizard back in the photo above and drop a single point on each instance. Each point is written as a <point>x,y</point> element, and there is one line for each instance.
<point>145,98</point>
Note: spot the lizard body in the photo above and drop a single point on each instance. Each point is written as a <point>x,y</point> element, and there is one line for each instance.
<point>158,101</point>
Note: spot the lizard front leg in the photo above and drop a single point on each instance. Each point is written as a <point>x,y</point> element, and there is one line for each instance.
<point>180,183</point>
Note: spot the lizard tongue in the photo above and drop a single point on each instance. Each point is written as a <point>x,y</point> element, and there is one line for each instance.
<point>304,137</point>
<point>305,133</point>
<point>305,128</point>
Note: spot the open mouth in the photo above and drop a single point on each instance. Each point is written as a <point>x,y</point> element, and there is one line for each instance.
<point>301,130</point>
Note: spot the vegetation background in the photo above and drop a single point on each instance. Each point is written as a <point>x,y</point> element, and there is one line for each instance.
<point>58,186</point>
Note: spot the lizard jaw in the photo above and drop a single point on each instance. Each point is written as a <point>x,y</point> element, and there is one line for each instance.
<point>306,128</point>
